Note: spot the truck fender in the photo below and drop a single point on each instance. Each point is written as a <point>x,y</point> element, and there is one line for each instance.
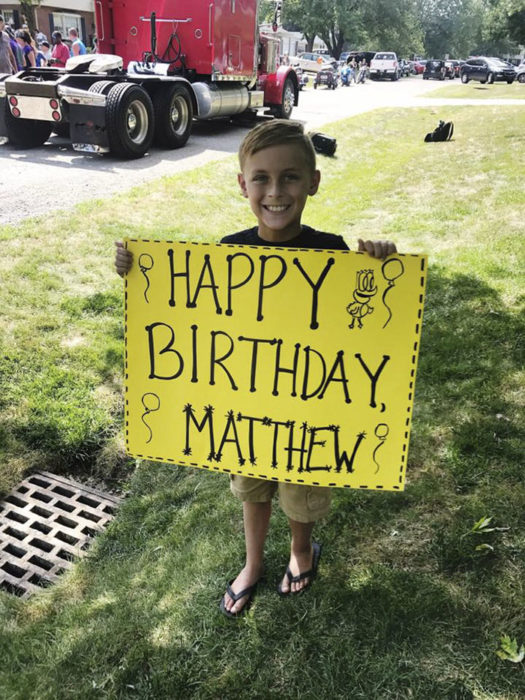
<point>273,85</point>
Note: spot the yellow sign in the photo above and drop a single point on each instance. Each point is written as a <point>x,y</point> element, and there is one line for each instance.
<point>276,363</point>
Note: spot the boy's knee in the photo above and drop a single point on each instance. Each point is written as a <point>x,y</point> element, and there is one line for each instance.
<point>305,504</point>
<point>247,488</point>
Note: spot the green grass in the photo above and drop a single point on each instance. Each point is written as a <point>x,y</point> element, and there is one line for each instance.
<point>405,606</point>
<point>476,91</point>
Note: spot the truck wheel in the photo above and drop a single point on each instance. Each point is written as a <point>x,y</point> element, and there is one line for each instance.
<point>25,133</point>
<point>102,87</point>
<point>173,111</point>
<point>129,120</point>
<point>464,78</point>
<point>284,110</point>
<point>521,78</point>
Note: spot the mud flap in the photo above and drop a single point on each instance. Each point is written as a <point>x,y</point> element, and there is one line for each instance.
<point>87,124</point>
<point>3,125</point>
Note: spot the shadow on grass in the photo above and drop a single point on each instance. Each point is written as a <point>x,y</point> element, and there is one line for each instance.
<point>148,623</point>
<point>388,618</point>
<point>471,352</point>
<point>465,460</point>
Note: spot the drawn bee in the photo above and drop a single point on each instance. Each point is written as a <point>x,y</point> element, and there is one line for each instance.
<point>365,289</point>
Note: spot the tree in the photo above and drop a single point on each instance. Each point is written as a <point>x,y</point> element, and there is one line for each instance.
<point>450,27</point>
<point>394,26</point>
<point>504,24</point>
<point>27,9</point>
<point>361,24</point>
<point>300,15</point>
<point>464,27</point>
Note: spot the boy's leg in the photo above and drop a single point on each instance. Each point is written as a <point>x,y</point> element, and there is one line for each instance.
<point>304,506</point>
<point>301,554</point>
<point>256,520</point>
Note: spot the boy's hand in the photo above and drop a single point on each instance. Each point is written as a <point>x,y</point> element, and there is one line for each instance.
<point>123,259</point>
<point>377,249</point>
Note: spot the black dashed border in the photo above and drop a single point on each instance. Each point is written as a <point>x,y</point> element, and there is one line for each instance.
<point>408,421</point>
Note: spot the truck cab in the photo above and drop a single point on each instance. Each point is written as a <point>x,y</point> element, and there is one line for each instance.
<point>162,64</point>
<point>384,65</point>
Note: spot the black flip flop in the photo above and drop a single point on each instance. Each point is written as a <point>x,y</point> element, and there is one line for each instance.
<point>249,591</point>
<point>310,574</point>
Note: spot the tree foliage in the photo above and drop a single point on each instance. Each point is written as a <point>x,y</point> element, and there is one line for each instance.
<point>435,28</point>
<point>505,21</point>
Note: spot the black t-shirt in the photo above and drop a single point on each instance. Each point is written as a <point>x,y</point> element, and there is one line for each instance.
<point>308,238</point>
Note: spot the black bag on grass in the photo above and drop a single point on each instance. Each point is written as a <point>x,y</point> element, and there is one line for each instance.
<point>443,132</point>
<point>323,143</point>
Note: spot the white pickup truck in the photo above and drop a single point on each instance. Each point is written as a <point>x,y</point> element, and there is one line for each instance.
<point>384,65</point>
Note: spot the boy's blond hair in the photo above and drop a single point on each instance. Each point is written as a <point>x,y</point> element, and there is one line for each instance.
<point>277,132</point>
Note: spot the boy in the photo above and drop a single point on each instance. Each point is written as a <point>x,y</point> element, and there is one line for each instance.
<point>278,174</point>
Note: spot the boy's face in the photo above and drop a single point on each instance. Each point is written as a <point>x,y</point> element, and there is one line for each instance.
<point>277,182</point>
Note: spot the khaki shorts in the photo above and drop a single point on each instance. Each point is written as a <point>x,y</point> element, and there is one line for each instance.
<point>305,504</point>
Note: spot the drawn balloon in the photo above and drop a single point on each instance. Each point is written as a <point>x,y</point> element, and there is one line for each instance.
<point>392,269</point>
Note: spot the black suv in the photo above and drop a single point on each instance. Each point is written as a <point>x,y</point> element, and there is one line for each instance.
<point>438,70</point>
<point>487,70</point>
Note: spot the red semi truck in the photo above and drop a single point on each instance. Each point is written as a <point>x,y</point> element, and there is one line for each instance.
<point>159,65</point>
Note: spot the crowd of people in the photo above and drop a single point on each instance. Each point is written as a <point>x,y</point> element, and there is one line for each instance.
<point>20,49</point>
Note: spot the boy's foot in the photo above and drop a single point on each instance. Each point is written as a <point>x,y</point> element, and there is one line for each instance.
<point>301,571</point>
<point>246,580</point>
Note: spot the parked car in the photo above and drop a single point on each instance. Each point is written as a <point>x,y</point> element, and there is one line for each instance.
<point>509,64</point>
<point>437,70</point>
<point>328,77</point>
<point>314,62</point>
<point>344,57</point>
<point>520,73</point>
<point>454,66</point>
<point>384,65</point>
<point>419,66</point>
<point>487,70</point>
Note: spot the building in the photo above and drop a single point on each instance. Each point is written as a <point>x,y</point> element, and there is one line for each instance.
<point>291,43</point>
<point>55,15</point>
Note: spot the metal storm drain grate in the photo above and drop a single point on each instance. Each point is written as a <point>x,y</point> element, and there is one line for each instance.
<point>46,523</point>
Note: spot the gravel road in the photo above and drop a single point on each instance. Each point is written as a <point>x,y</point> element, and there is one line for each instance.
<point>42,180</point>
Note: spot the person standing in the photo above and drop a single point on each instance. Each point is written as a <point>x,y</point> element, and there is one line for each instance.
<point>40,37</point>
<point>353,67</point>
<point>23,40</point>
<point>7,60</point>
<point>362,72</point>
<point>60,52</point>
<point>278,175</point>
<point>17,51</point>
<point>78,48</point>
<point>46,51</point>
<point>43,54</point>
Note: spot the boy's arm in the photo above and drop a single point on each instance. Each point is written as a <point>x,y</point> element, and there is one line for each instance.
<point>377,249</point>
<point>123,259</point>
